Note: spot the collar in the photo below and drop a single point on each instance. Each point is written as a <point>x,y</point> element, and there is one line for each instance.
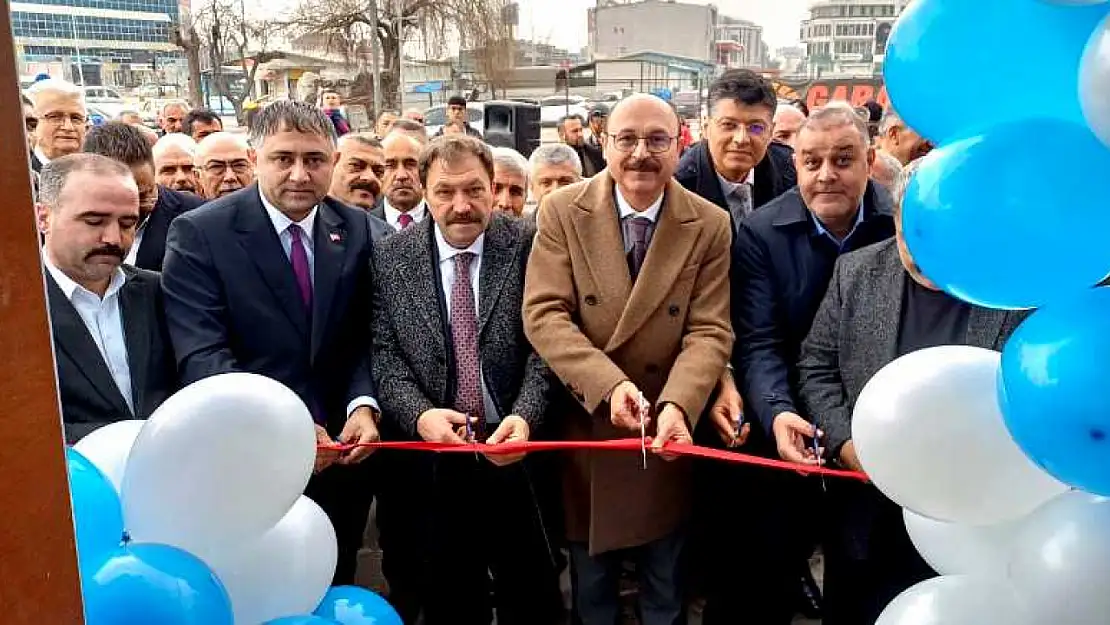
<point>69,287</point>
<point>448,251</point>
<point>391,213</point>
<point>39,154</point>
<point>625,209</point>
<point>729,186</point>
<point>282,223</point>
<point>821,231</point>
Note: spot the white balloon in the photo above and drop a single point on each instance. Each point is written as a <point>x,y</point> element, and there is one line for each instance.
<point>1061,560</point>
<point>958,549</point>
<point>285,572</point>
<point>108,448</point>
<point>1094,81</point>
<point>929,432</point>
<point>219,462</point>
<point>957,600</point>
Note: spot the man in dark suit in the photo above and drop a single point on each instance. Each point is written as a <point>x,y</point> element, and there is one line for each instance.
<point>111,344</point>
<point>158,206</point>
<point>782,260</point>
<point>59,108</point>
<point>572,132</point>
<point>274,279</point>
<point>402,202</point>
<point>879,306</point>
<point>452,362</point>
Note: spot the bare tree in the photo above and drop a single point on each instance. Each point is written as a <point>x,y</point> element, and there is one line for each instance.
<point>229,37</point>
<point>184,35</point>
<point>349,23</point>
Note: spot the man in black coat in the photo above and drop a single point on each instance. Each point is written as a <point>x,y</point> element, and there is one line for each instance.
<point>111,343</point>
<point>158,206</point>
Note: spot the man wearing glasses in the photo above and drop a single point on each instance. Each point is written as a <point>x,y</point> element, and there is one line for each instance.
<point>225,164</point>
<point>59,108</point>
<point>627,298</point>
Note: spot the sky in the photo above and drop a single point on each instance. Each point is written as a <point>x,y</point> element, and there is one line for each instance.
<point>563,22</point>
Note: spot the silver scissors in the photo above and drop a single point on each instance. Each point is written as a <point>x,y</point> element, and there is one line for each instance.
<point>645,407</point>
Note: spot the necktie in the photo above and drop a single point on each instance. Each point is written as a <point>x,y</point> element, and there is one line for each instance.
<point>301,271</point>
<point>741,201</point>
<point>464,334</point>
<point>405,220</point>
<point>638,228</point>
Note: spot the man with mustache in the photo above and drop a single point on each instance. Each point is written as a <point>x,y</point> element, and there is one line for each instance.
<point>59,108</point>
<point>899,140</point>
<point>627,300</point>
<point>510,181</point>
<point>403,204</point>
<point>225,163</point>
<point>274,279</point>
<point>158,206</point>
<point>783,260</point>
<point>174,162</point>
<point>111,344</point>
<point>572,132</point>
<point>359,167</point>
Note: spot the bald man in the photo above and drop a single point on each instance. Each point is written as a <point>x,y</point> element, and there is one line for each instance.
<point>174,157</point>
<point>410,128</point>
<point>635,358</point>
<point>403,204</point>
<point>788,120</point>
<point>224,163</point>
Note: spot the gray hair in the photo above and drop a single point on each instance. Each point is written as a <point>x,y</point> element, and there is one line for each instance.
<point>512,160</point>
<point>206,143</point>
<point>835,115</point>
<point>887,162</point>
<point>126,112</point>
<point>890,119</point>
<point>288,115</point>
<point>55,86</point>
<point>903,183</point>
<point>167,104</point>
<point>177,140</point>
<point>53,177</point>
<point>365,138</point>
<point>554,154</point>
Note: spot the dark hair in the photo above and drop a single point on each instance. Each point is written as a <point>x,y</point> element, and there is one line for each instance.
<point>456,100</point>
<point>206,116</point>
<point>53,177</point>
<point>450,148</point>
<point>26,101</point>
<point>365,138</point>
<point>119,142</point>
<point>744,86</point>
<point>566,118</point>
<point>801,106</point>
<point>874,111</point>
<point>286,115</point>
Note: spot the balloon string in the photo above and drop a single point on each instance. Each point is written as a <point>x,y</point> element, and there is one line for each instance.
<point>627,444</point>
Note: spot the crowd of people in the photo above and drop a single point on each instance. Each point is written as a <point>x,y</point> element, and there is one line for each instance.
<point>736,293</point>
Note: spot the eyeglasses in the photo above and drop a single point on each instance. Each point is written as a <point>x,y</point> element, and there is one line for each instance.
<point>59,118</point>
<point>218,168</point>
<point>656,142</point>
<point>731,126</point>
<point>31,122</point>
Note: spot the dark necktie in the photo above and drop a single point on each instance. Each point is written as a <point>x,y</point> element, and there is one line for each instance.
<point>301,270</point>
<point>638,228</point>
<point>404,220</point>
<point>464,334</point>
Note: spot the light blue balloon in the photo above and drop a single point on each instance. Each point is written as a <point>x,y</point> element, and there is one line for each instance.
<point>97,512</point>
<point>303,620</point>
<point>1053,388</point>
<point>351,605</point>
<point>143,584</point>
<point>1013,218</point>
<point>1020,59</point>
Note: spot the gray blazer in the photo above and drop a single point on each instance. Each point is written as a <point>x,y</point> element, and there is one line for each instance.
<point>413,355</point>
<point>855,333</point>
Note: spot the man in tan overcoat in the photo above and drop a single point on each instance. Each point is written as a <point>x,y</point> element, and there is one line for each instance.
<point>627,293</point>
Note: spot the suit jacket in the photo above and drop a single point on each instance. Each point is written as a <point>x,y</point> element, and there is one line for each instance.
<point>854,334</point>
<point>379,228</point>
<point>89,395</point>
<point>170,204</point>
<point>774,175</point>
<point>781,268</point>
<point>232,301</point>
<point>414,361</point>
<point>593,159</point>
<point>36,164</point>
<point>668,333</point>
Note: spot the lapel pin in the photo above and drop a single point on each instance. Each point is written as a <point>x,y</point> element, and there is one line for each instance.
<point>334,236</point>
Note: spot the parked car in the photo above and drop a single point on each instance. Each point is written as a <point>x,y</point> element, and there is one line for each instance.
<point>605,100</point>
<point>435,117</point>
<point>553,108</point>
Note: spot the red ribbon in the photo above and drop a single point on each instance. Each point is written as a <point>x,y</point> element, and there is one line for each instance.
<point>626,444</point>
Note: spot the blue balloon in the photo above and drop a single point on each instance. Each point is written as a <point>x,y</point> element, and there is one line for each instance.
<point>303,620</point>
<point>1053,389</point>
<point>980,222</point>
<point>1024,53</point>
<point>97,512</point>
<point>142,584</point>
<point>351,605</point>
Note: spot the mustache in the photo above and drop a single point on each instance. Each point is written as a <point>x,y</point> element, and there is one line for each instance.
<point>107,250</point>
<point>464,219</point>
<point>370,187</point>
<point>647,164</point>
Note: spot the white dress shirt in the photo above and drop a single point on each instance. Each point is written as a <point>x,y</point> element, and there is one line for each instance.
<point>393,216</point>
<point>39,154</point>
<point>447,255</point>
<point>626,210</point>
<point>133,254</point>
<point>281,227</point>
<point>104,322</point>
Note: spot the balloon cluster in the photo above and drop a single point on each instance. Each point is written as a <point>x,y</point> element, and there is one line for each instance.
<point>1001,462</point>
<point>195,517</point>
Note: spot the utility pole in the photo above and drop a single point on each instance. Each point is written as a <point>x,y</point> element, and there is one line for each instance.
<point>375,47</point>
<point>77,49</point>
<point>401,55</point>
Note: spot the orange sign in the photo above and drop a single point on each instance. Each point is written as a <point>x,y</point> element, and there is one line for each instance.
<point>819,92</point>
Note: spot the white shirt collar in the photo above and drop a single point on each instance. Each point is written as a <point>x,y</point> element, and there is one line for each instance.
<point>626,210</point>
<point>282,223</point>
<point>39,154</point>
<point>447,251</point>
<point>392,215</point>
<point>69,287</point>
<point>729,186</point>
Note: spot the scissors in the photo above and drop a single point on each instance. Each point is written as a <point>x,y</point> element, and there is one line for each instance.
<point>644,407</point>
<point>817,454</point>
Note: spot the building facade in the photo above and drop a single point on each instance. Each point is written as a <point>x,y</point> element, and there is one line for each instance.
<point>740,44</point>
<point>848,37</point>
<point>672,28</point>
<point>97,42</point>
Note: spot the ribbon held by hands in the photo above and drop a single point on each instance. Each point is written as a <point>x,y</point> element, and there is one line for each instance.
<point>625,444</point>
